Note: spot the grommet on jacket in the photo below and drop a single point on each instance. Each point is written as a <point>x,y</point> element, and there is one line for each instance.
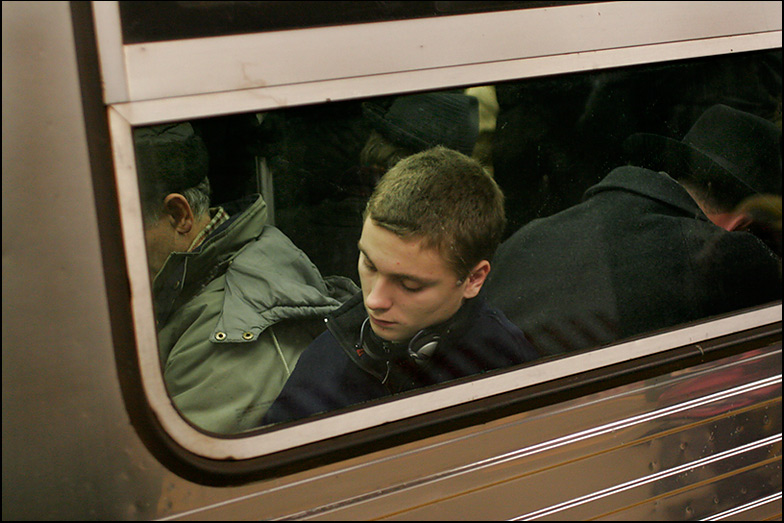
<point>247,335</point>
<point>220,336</point>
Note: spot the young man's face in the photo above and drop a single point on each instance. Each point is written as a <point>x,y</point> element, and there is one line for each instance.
<point>406,288</point>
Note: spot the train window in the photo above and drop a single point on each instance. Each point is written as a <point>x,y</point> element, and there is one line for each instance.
<point>158,21</point>
<point>643,213</point>
<point>231,335</point>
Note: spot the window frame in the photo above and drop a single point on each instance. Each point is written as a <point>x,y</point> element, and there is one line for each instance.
<point>141,87</point>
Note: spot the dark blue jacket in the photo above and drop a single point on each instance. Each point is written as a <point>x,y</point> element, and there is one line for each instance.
<point>334,371</point>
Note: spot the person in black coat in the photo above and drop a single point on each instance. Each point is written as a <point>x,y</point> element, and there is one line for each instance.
<point>649,247</point>
<point>430,228</point>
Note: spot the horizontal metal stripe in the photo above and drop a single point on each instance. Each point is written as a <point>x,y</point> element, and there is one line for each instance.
<point>648,479</point>
<point>552,444</point>
<point>627,422</point>
<point>747,506</point>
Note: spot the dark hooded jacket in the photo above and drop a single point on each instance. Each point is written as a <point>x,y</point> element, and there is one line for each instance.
<point>637,255</point>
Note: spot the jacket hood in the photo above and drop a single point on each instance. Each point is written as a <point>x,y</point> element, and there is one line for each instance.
<point>271,280</point>
<point>266,278</point>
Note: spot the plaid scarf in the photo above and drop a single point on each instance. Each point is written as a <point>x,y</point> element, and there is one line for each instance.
<point>218,218</point>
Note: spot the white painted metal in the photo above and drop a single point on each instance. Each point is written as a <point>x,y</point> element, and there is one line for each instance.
<point>233,63</point>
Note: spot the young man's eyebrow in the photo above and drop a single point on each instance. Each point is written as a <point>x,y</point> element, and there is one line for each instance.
<point>399,276</point>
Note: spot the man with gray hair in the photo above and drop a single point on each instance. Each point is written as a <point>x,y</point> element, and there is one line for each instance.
<point>235,301</point>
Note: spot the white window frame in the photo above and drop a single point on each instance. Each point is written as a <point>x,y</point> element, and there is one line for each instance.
<point>169,81</point>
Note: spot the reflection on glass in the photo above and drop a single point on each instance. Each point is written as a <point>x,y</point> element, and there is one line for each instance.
<point>636,199</point>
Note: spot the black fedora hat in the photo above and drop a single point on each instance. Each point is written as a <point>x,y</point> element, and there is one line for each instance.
<point>723,142</point>
<point>422,121</point>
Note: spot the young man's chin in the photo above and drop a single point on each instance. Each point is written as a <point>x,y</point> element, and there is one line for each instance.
<point>389,331</point>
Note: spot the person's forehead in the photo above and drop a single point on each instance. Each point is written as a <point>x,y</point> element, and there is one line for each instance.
<point>403,257</point>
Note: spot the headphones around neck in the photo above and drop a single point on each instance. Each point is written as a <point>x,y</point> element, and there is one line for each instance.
<point>420,349</point>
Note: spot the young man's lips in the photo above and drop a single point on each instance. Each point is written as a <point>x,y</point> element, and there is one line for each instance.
<point>381,323</point>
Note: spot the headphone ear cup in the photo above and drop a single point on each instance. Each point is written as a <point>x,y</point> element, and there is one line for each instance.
<point>423,345</point>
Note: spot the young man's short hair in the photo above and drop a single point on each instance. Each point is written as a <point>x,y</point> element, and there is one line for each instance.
<point>446,198</point>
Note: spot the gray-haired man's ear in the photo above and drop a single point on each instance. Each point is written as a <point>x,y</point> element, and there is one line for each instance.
<point>179,213</point>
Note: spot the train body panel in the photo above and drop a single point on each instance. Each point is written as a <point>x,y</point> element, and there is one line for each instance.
<point>689,429</point>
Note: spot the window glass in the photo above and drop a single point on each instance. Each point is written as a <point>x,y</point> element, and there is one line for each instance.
<point>156,21</point>
<point>636,199</point>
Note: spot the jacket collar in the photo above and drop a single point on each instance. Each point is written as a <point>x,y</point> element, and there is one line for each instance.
<point>184,273</point>
<point>651,184</point>
<point>348,325</point>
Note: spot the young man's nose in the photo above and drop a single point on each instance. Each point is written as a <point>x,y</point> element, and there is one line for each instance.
<point>380,295</point>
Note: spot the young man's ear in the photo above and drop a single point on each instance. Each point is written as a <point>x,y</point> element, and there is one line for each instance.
<point>476,279</point>
<point>179,213</point>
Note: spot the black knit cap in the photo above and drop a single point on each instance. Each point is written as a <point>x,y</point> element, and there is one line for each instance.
<point>421,121</point>
<point>170,158</point>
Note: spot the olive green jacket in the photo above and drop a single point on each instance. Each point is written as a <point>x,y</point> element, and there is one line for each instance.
<point>235,315</point>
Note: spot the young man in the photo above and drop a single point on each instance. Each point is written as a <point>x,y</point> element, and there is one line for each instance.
<point>430,228</point>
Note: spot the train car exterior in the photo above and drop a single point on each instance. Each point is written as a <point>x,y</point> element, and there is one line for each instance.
<point>678,424</point>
